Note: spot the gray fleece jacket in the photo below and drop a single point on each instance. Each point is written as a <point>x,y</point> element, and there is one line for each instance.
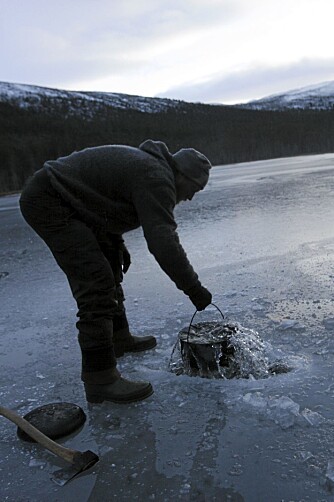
<point>118,188</point>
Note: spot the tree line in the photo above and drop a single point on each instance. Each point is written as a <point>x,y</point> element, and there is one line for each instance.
<point>225,134</point>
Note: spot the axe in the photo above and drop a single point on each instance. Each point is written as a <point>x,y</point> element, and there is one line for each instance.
<point>80,461</point>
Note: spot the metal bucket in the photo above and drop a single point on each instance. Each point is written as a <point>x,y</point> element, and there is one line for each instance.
<point>223,350</point>
<point>205,347</point>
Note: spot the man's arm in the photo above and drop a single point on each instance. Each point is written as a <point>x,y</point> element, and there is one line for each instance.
<point>155,208</point>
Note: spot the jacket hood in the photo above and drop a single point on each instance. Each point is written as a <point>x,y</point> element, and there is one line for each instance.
<point>158,149</point>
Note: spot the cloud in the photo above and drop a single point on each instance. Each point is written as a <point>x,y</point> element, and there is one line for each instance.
<point>69,40</point>
<point>245,49</point>
<point>253,83</point>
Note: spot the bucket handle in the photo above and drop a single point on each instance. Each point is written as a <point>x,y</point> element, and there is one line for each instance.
<point>196,313</point>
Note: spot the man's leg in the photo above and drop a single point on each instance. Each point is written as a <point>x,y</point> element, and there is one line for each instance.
<point>77,252</point>
<point>123,340</point>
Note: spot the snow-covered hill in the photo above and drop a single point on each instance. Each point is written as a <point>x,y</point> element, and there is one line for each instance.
<point>86,103</point>
<point>314,97</point>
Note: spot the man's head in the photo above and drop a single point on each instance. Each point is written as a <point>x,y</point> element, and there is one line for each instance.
<point>192,172</point>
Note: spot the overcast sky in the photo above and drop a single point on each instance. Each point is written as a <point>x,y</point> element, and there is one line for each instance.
<point>213,51</point>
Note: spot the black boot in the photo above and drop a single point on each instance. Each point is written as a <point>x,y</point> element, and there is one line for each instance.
<point>103,381</point>
<point>131,343</point>
<point>123,341</point>
<point>120,391</point>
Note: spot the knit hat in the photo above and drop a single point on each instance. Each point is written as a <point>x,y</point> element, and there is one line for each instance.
<point>193,165</point>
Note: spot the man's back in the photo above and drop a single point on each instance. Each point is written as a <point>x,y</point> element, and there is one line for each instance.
<point>106,183</point>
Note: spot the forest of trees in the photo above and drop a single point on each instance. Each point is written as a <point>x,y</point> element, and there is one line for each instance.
<point>226,134</point>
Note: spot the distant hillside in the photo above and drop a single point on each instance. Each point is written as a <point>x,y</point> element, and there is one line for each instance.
<point>38,123</point>
<point>72,103</point>
<point>314,97</point>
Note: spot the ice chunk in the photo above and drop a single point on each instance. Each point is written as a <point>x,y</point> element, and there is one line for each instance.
<point>305,455</point>
<point>291,324</point>
<point>230,294</point>
<point>236,470</point>
<point>36,463</point>
<point>284,411</point>
<point>328,323</point>
<point>312,417</point>
<point>256,400</point>
<point>330,470</point>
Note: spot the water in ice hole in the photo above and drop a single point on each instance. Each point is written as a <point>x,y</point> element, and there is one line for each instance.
<point>224,350</point>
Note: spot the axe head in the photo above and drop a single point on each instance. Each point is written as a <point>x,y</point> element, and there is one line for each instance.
<point>81,462</point>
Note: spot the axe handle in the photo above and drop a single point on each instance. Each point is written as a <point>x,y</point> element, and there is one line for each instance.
<point>62,452</point>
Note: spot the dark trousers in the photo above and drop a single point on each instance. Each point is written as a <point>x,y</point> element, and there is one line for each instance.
<point>93,270</point>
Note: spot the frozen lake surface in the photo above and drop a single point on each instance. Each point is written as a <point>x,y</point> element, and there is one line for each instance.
<point>261,237</point>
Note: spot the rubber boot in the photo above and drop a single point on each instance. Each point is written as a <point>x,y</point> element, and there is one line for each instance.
<point>103,381</point>
<point>119,390</point>
<point>125,342</point>
<point>122,339</point>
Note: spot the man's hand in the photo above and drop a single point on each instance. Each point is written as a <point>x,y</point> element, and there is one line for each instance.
<point>124,257</point>
<point>200,297</point>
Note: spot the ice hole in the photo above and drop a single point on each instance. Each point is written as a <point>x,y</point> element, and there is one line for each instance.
<point>224,350</point>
